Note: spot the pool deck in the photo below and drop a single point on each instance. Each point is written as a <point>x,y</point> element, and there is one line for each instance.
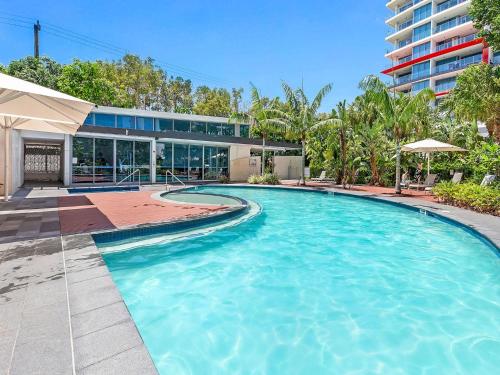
<point>61,313</point>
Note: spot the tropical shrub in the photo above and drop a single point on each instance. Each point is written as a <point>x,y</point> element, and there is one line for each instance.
<point>266,179</point>
<point>224,179</point>
<point>484,199</point>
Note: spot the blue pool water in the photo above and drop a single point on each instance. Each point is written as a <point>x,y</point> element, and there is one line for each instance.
<point>317,284</point>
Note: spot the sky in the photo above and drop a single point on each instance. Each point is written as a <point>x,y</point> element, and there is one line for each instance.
<point>217,43</point>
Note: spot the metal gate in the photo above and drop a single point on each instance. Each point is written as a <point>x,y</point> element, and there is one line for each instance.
<point>42,162</point>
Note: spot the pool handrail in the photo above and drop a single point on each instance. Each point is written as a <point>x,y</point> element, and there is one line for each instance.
<point>167,186</point>
<point>130,175</point>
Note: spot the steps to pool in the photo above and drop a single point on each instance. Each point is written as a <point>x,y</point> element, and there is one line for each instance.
<point>102,189</point>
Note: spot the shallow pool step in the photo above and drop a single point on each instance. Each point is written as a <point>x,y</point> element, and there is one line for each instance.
<point>101,189</point>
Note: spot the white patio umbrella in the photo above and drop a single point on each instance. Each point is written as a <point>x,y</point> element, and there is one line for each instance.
<point>25,105</point>
<point>429,146</point>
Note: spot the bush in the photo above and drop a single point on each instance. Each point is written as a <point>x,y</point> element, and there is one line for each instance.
<point>484,199</point>
<point>266,179</point>
<point>224,180</point>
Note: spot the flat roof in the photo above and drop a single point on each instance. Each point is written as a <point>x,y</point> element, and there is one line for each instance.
<point>159,114</point>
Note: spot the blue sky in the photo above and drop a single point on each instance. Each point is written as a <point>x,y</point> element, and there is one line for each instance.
<point>218,43</point>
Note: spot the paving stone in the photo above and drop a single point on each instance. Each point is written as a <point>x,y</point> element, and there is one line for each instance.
<point>7,340</point>
<point>105,343</point>
<point>92,294</point>
<point>10,315</point>
<point>76,276</point>
<point>46,293</point>
<point>97,319</point>
<point>133,361</point>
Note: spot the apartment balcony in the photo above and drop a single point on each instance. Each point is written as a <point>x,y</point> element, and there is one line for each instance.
<point>457,65</point>
<point>452,23</point>
<point>448,4</point>
<point>446,86</point>
<point>455,42</point>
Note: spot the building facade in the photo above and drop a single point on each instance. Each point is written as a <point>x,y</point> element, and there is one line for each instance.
<point>115,142</point>
<point>432,42</point>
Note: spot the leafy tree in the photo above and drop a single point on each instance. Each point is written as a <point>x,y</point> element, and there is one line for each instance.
<point>398,112</point>
<point>43,71</point>
<point>486,16</point>
<point>236,95</point>
<point>86,80</point>
<point>212,102</point>
<point>178,95</point>
<point>302,116</point>
<point>476,97</point>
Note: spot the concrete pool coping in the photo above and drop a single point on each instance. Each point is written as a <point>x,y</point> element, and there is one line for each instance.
<point>62,312</point>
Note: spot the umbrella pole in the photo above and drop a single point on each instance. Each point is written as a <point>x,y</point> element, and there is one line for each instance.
<point>428,163</point>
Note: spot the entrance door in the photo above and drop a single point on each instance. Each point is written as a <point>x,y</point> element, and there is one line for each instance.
<point>43,163</point>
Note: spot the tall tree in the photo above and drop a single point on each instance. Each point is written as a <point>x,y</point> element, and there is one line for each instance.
<point>43,71</point>
<point>486,17</point>
<point>302,116</point>
<point>178,95</point>
<point>476,97</point>
<point>398,113</point>
<point>236,95</point>
<point>86,80</point>
<point>212,102</point>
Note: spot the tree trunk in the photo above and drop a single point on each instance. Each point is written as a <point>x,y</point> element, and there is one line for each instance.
<point>342,172</point>
<point>398,168</point>
<point>303,173</point>
<point>263,161</point>
<point>374,168</point>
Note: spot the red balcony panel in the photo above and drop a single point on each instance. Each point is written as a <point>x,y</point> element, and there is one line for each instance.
<point>434,54</point>
<point>442,93</point>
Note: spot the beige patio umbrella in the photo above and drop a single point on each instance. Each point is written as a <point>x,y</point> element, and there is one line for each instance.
<point>429,146</point>
<point>25,105</point>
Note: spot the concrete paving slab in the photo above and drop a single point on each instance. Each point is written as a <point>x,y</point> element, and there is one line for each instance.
<point>103,317</point>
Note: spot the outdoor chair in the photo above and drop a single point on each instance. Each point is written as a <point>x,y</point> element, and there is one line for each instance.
<point>488,179</point>
<point>405,181</point>
<point>322,178</point>
<point>429,182</point>
<point>457,177</point>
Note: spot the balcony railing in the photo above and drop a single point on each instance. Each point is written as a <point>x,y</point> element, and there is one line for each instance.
<point>407,5</point>
<point>448,4</point>
<point>405,42</point>
<point>446,86</point>
<point>456,42</point>
<point>452,23</point>
<point>404,25</point>
<point>405,59</point>
<point>458,65</point>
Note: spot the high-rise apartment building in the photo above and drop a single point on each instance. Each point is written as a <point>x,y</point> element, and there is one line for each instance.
<point>432,42</point>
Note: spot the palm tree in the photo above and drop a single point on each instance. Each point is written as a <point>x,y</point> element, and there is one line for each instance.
<point>302,116</point>
<point>399,112</point>
<point>264,118</point>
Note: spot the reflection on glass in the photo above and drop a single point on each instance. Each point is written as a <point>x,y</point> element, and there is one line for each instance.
<point>181,126</point>
<point>83,158</point>
<point>103,170</point>
<point>124,159</point>
<point>144,123</point>
<point>181,157</point>
<point>142,160</point>
<point>195,162</point>
<point>102,119</point>
<point>163,160</point>
<point>89,120</point>
<point>245,131</point>
<point>213,128</point>
<point>198,127</point>
<point>163,124</point>
<point>125,122</point>
<point>227,129</point>
<point>210,163</point>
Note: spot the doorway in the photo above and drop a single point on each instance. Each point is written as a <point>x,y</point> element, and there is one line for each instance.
<point>43,164</point>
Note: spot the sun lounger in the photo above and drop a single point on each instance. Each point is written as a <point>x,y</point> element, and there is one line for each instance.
<point>322,178</point>
<point>488,179</point>
<point>429,182</point>
<point>457,177</point>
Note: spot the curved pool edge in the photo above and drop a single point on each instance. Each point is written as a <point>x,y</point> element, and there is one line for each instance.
<point>483,226</point>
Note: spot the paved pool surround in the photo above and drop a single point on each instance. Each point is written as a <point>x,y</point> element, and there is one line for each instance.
<point>61,313</point>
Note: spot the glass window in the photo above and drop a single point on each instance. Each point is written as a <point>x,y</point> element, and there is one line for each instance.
<point>446,65</point>
<point>83,160</point>
<point>163,160</point>
<point>103,171</point>
<point>422,13</point>
<point>210,163</point>
<point>418,86</point>
<point>144,123</point>
<point>163,124</point>
<point>102,119</point>
<point>421,50</point>
<point>422,32</point>
<point>445,84</point>
<point>89,120</point>
<point>124,159</point>
<point>213,128</point>
<point>245,131</point>
<point>142,160</point>
<point>198,127</point>
<point>195,162</point>
<point>227,129</point>
<point>181,125</point>
<point>421,70</point>
<point>181,159</point>
<point>125,122</point>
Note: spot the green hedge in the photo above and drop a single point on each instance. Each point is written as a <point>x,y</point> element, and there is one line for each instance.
<point>484,199</point>
<point>266,179</point>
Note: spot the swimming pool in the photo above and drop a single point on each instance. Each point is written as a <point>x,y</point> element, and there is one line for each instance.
<point>317,284</point>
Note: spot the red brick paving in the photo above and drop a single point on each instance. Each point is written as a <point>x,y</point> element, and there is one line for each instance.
<point>101,211</point>
<point>378,190</point>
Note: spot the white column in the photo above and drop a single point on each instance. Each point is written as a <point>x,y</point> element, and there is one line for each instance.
<point>67,159</point>
<point>153,161</point>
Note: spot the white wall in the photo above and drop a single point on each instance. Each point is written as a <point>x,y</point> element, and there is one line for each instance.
<point>287,167</point>
<point>242,165</point>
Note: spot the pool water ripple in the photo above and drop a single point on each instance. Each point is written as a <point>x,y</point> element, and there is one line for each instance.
<point>317,284</point>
